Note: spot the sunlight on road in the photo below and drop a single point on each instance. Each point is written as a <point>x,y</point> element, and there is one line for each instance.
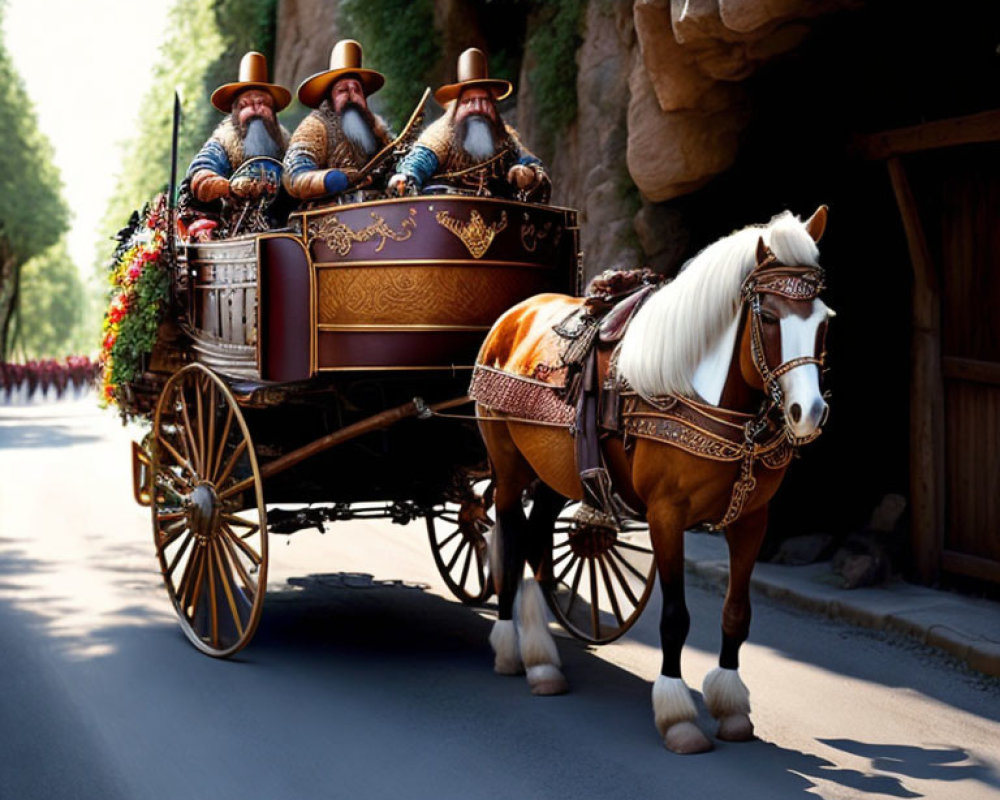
<point>75,553</point>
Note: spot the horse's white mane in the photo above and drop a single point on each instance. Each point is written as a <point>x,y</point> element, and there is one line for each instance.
<point>680,323</point>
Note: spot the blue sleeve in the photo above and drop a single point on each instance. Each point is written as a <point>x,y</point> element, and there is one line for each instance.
<point>529,160</point>
<point>419,164</point>
<point>213,158</point>
<point>298,161</point>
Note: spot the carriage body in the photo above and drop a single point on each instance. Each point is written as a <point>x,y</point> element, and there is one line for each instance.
<point>359,308</point>
<point>305,348</point>
<point>390,285</point>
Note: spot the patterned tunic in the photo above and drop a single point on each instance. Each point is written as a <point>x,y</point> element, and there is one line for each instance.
<point>435,156</point>
<point>319,145</point>
<point>223,154</point>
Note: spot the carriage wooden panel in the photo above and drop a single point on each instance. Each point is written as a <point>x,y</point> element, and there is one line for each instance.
<point>417,282</point>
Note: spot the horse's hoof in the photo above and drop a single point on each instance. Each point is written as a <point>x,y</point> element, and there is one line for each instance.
<point>546,679</point>
<point>736,728</point>
<point>686,738</point>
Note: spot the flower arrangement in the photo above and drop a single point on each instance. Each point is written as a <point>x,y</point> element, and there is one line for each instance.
<point>138,300</point>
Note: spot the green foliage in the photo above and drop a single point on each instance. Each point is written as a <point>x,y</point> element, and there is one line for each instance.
<point>33,214</point>
<point>207,39</point>
<point>400,41</point>
<point>193,45</point>
<point>51,306</point>
<point>553,42</point>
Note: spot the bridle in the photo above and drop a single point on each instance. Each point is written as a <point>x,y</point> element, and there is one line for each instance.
<point>797,283</point>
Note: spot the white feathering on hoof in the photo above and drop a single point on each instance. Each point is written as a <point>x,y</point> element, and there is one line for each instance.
<point>537,645</point>
<point>725,693</point>
<point>503,640</point>
<point>544,673</point>
<point>672,703</point>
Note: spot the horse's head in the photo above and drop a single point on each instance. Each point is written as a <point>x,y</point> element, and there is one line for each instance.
<point>784,335</point>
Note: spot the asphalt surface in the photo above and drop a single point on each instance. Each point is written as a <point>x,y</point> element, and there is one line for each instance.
<point>367,680</point>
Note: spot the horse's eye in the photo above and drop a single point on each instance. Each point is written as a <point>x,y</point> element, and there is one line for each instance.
<point>768,318</point>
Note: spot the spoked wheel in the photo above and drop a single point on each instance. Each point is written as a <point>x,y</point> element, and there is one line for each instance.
<point>460,547</point>
<point>598,581</point>
<point>211,540</point>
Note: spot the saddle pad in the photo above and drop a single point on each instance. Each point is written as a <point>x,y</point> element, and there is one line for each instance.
<point>519,396</point>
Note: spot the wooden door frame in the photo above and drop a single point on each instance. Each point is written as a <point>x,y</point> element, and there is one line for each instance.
<point>927,408</point>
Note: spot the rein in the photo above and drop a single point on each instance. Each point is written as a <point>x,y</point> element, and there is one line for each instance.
<point>792,283</point>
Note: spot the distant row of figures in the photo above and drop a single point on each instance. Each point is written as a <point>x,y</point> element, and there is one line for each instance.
<point>46,380</point>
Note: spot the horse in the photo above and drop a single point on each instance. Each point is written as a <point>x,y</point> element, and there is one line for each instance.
<point>721,377</point>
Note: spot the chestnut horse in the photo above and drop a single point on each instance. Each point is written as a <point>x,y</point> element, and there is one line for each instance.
<point>736,338</point>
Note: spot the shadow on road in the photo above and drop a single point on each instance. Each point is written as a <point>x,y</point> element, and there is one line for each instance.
<point>21,435</point>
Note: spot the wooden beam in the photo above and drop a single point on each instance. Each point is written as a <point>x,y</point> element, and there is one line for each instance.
<point>970,369</point>
<point>973,566</point>
<point>973,129</point>
<point>927,490</point>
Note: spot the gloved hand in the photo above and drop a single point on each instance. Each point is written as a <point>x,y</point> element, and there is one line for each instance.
<point>398,185</point>
<point>211,188</point>
<point>335,181</point>
<point>522,176</point>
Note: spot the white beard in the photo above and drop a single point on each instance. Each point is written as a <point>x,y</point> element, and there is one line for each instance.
<point>258,141</point>
<point>358,131</point>
<point>478,141</point>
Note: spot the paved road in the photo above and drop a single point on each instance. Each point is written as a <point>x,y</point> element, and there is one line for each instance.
<point>380,686</point>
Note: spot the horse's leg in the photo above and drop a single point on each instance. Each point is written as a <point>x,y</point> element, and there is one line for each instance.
<point>725,693</point>
<point>513,475</point>
<point>538,648</point>
<point>673,706</point>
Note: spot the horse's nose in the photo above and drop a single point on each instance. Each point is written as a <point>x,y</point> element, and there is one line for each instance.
<point>796,412</point>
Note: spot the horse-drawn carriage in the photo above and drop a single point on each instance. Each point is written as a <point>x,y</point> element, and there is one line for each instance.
<point>315,367</point>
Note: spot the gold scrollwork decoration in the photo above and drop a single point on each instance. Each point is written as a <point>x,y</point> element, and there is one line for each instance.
<point>532,234</point>
<point>341,239</point>
<point>475,234</point>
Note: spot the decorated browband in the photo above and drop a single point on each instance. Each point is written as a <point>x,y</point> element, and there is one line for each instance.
<point>793,283</point>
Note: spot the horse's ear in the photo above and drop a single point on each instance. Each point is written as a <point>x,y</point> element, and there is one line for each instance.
<point>816,224</point>
<point>762,252</point>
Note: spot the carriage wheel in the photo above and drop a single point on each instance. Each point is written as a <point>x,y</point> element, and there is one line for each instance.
<point>461,550</point>
<point>210,540</point>
<point>598,582</point>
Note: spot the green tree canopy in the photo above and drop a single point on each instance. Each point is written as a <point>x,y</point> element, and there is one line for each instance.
<point>207,38</point>
<point>51,307</point>
<point>33,214</point>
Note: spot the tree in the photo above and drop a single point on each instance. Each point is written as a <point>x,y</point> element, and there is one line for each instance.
<point>51,308</point>
<point>33,214</point>
<point>202,51</point>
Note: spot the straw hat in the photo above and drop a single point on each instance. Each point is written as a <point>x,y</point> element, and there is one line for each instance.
<point>472,72</point>
<point>345,59</point>
<point>253,75</point>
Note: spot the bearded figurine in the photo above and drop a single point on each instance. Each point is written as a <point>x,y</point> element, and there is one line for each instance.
<point>332,145</point>
<point>250,130</point>
<point>470,147</point>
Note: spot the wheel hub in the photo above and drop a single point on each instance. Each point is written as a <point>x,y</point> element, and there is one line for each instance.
<point>203,512</point>
<point>589,541</point>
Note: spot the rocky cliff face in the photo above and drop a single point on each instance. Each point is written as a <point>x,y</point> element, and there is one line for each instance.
<point>661,107</point>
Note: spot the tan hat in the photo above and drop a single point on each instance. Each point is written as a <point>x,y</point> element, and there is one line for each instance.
<point>253,75</point>
<point>345,59</point>
<point>472,72</point>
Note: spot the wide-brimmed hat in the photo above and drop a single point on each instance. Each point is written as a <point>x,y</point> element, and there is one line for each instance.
<point>345,59</point>
<point>472,71</point>
<point>253,75</point>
